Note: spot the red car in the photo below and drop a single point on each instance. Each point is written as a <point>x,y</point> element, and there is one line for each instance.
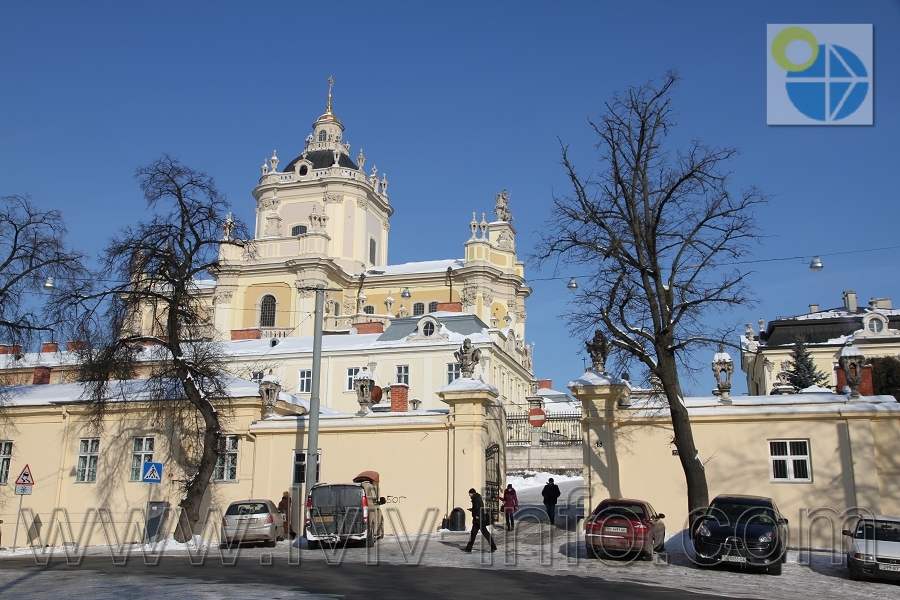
<point>618,528</point>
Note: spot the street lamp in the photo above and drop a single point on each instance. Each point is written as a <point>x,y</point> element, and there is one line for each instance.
<point>49,286</point>
<point>816,264</point>
<point>572,285</point>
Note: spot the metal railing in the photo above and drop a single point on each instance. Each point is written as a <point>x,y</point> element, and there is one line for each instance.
<point>560,429</point>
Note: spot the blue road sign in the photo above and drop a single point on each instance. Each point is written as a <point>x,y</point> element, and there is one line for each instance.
<point>152,472</point>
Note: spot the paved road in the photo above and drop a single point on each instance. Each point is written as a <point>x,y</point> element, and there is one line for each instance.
<point>98,579</point>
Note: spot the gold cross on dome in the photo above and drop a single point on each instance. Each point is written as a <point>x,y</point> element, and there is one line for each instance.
<point>330,85</point>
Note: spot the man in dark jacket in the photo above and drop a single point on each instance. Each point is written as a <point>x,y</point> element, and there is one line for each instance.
<point>479,521</point>
<point>550,494</point>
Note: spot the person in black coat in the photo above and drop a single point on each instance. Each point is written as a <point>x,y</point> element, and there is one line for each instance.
<point>479,522</point>
<point>550,494</point>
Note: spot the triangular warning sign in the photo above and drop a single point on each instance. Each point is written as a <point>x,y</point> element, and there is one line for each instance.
<point>152,473</point>
<point>25,477</point>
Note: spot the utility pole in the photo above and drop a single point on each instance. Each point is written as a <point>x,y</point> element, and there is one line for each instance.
<point>312,419</point>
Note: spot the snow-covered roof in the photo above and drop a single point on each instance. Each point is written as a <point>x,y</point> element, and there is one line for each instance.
<point>411,268</point>
<point>127,390</point>
<point>777,405</point>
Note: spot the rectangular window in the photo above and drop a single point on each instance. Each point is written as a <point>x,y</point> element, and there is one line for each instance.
<point>142,453</point>
<point>300,466</point>
<point>88,455</point>
<point>372,253</point>
<point>403,374</point>
<point>304,381</point>
<point>453,372</point>
<point>256,376</point>
<point>5,458</point>
<point>351,373</point>
<point>790,460</point>
<point>226,464</point>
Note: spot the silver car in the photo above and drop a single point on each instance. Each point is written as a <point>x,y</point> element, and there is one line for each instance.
<point>252,521</point>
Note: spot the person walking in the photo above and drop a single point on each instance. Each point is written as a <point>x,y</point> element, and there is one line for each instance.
<point>479,522</point>
<point>550,493</point>
<point>510,506</point>
<point>284,506</point>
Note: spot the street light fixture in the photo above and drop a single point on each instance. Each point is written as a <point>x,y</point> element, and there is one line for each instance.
<point>572,285</point>
<point>49,286</point>
<point>816,264</point>
<point>405,293</point>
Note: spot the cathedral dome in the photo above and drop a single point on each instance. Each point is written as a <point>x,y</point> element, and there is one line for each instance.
<point>322,159</point>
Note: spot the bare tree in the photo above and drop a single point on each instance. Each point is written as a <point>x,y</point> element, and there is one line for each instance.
<point>31,250</point>
<point>146,313</point>
<point>661,234</point>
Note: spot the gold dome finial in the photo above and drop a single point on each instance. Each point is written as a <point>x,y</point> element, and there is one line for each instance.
<point>330,85</point>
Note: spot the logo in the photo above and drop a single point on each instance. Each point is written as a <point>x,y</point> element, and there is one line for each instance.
<point>819,75</point>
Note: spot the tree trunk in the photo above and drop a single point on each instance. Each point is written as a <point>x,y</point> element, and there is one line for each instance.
<point>199,482</point>
<point>694,471</point>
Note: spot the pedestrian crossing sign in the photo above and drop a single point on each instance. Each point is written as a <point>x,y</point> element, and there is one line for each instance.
<point>152,472</point>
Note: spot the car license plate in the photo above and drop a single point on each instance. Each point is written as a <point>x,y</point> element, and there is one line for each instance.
<point>737,559</point>
<point>616,529</point>
<point>244,521</point>
<point>325,518</point>
<point>889,567</point>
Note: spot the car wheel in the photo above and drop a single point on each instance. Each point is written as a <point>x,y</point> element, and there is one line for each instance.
<point>312,544</point>
<point>854,574</point>
<point>774,569</point>
<point>661,547</point>
<point>646,556</point>
<point>594,552</point>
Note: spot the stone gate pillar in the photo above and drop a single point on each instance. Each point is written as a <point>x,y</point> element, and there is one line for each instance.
<point>600,396</point>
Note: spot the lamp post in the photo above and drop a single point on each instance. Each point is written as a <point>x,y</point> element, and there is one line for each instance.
<point>312,419</point>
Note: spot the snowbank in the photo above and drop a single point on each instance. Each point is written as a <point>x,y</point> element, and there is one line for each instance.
<point>533,479</point>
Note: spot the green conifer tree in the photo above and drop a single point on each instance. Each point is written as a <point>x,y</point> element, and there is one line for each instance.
<point>802,371</point>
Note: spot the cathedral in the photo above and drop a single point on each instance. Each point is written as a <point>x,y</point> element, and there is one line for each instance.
<point>320,219</point>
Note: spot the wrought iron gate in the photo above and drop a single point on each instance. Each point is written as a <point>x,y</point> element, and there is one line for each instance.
<point>492,483</point>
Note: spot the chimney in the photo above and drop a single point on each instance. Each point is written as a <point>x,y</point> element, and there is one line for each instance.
<point>814,308</point>
<point>370,327</point>
<point>850,301</point>
<point>49,347</point>
<point>41,375</point>
<point>449,307</point>
<point>883,303</point>
<point>72,346</point>
<point>545,384</point>
<point>399,397</point>
<point>4,349</point>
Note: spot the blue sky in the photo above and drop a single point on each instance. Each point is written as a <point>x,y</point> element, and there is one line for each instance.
<point>454,101</point>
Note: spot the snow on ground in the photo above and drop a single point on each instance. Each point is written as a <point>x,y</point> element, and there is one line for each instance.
<point>534,479</point>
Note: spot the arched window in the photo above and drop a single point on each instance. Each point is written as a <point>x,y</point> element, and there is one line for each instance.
<point>322,135</point>
<point>418,309</point>
<point>369,309</point>
<point>298,229</point>
<point>372,248</point>
<point>303,170</point>
<point>432,307</point>
<point>267,312</point>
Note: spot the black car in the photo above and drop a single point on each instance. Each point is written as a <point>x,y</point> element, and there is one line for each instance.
<point>745,530</point>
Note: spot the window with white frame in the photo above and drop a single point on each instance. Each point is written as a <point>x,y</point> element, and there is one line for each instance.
<point>789,460</point>
<point>403,374</point>
<point>5,458</point>
<point>418,309</point>
<point>300,466</point>
<point>298,229</point>
<point>226,464</point>
<point>369,309</point>
<point>373,246</point>
<point>352,372</point>
<point>304,381</point>
<point>453,372</point>
<point>432,306</point>
<point>142,452</point>
<point>88,456</point>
